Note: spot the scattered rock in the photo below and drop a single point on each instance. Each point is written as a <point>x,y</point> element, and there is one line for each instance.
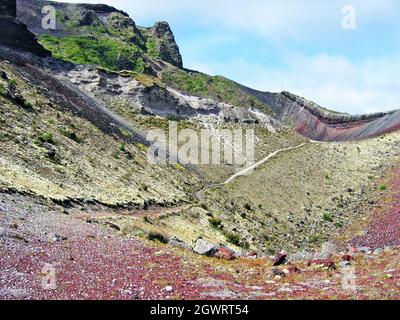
<point>3,75</point>
<point>51,150</point>
<point>204,248</point>
<point>58,238</point>
<point>344,264</point>
<point>294,269</point>
<point>322,256</point>
<point>225,254</point>
<point>300,256</point>
<point>328,247</point>
<point>14,225</point>
<point>280,258</point>
<point>177,243</point>
<point>278,273</point>
<point>347,257</point>
<point>15,293</point>
<point>364,249</point>
<point>326,263</point>
<point>286,271</point>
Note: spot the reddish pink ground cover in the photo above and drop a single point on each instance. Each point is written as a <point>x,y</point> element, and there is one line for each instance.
<point>93,262</point>
<point>385,225</point>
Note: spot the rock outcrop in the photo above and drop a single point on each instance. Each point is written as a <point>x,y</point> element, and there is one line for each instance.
<point>157,42</point>
<point>317,123</point>
<point>204,248</point>
<point>166,44</point>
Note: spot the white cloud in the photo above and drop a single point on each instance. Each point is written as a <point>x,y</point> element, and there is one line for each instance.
<point>331,81</point>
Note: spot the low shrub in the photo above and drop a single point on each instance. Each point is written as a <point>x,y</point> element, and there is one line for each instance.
<point>47,137</point>
<point>327,216</point>
<point>157,236</point>
<point>215,222</point>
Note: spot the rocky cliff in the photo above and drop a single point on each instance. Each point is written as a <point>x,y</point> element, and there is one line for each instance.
<point>101,27</point>
<point>318,123</point>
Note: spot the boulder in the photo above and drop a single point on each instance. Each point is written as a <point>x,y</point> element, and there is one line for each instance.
<point>328,247</point>
<point>347,257</point>
<point>204,248</point>
<point>278,273</point>
<point>326,263</point>
<point>58,238</point>
<point>344,264</point>
<point>300,256</point>
<point>225,254</point>
<point>280,258</point>
<point>364,249</point>
<point>322,256</point>
<point>294,269</point>
<point>51,150</point>
<point>177,243</point>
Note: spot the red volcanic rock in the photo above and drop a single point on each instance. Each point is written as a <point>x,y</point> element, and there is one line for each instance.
<point>384,229</point>
<point>280,259</point>
<point>294,269</point>
<point>347,257</point>
<point>311,121</point>
<point>327,263</point>
<point>225,254</point>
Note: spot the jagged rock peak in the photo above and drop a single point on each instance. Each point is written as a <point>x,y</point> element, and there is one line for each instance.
<point>168,48</point>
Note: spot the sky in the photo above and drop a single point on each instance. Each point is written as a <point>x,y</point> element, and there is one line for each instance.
<point>341,54</point>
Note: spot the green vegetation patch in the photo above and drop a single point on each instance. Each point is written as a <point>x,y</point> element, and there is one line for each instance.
<point>327,216</point>
<point>105,52</point>
<point>383,187</point>
<point>217,88</point>
<point>152,49</point>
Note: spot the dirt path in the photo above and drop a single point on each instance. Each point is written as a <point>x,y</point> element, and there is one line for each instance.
<point>249,170</point>
<point>200,194</point>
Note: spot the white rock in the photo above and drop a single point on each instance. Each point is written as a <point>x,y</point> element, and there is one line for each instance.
<point>169,288</point>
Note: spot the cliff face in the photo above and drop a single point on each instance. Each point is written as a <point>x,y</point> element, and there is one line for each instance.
<point>14,34</point>
<point>78,22</point>
<point>166,44</point>
<point>317,123</point>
